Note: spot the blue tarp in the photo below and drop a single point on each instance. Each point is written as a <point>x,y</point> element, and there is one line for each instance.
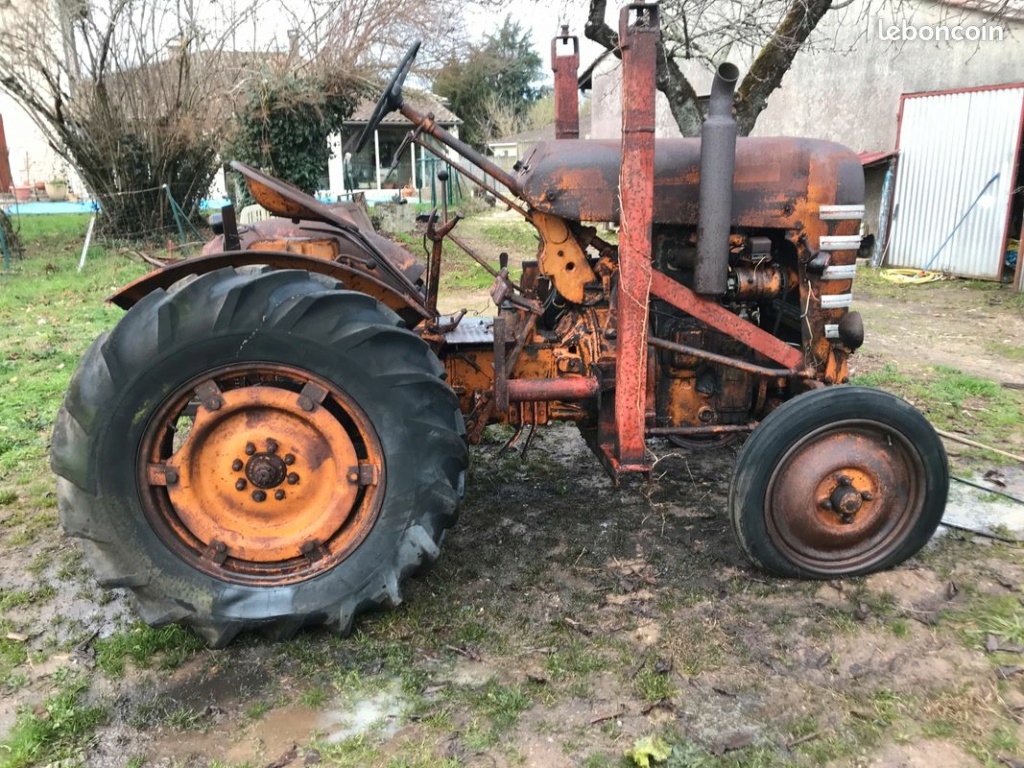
<point>213,204</point>
<point>34,209</point>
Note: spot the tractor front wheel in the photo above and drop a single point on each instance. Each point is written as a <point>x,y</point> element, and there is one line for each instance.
<point>838,482</point>
<point>258,450</point>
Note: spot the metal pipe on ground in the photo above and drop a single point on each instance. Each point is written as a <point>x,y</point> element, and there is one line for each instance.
<point>717,165</point>
<point>987,489</point>
<point>975,444</point>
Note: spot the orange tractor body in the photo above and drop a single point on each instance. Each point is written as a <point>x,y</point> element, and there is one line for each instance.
<point>301,409</point>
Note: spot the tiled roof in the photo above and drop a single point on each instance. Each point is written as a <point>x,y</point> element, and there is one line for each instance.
<point>422,102</point>
<point>539,134</point>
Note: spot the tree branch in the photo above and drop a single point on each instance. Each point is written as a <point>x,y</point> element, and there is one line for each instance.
<point>775,59</point>
<point>682,99</point>
<point>598,31</point>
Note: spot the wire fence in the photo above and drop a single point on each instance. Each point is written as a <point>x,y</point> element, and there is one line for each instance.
<point>147,222</point>
<point>452,190</point>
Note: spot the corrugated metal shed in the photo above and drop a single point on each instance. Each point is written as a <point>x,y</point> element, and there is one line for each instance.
<point>954,180</point>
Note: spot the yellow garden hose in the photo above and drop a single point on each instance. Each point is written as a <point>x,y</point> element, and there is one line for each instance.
<point>910,276</point>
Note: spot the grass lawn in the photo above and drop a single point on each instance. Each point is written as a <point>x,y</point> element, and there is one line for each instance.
<point>568,622</point>
<point>49,314</point>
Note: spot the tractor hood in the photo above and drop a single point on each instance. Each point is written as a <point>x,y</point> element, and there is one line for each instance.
<point>778,182</point>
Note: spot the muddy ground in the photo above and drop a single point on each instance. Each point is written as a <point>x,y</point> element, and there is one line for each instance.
<point>569,619</point>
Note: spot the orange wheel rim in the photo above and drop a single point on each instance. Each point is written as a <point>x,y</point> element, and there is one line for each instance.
<point>845,496</point>
<point>261,472</point>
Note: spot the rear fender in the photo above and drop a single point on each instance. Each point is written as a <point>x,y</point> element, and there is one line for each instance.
<point>408,306</point>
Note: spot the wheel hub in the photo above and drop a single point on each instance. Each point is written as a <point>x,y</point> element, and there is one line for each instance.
<point>842,494</point>
<point>265,470</point>
<point>846,500</point>
<point>261,483</point>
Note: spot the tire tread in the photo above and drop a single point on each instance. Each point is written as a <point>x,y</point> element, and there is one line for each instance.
<point>286,301</point>
<point>811,410</point>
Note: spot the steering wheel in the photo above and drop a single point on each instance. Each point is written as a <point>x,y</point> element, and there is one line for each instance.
<point>391,99</point>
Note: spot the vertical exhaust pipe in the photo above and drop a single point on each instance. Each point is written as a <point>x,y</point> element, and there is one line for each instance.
<point>717,163</point>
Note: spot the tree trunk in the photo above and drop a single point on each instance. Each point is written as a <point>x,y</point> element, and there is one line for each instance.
<point>775,59</point>
<point>765,74</point>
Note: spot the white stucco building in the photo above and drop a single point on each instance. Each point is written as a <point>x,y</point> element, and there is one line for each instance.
<point>850,84</point>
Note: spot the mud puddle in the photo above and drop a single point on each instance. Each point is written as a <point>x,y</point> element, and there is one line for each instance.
<point>987,511</point>
<point>378,713</point>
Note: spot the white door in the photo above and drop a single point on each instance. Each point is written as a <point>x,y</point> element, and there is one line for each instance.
<point>954,179</point>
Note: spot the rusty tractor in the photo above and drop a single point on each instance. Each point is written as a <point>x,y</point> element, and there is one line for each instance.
<point>275,434</point>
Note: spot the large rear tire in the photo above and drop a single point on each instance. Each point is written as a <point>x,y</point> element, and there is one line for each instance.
<point>258,450</point>
<point>838,482</point>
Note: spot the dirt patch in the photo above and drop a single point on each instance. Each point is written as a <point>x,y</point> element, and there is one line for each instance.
<point>913,590</point>
<point>937,754</point>
<point>941,324</point>
<point>568,618</point>
<point>561,626</point>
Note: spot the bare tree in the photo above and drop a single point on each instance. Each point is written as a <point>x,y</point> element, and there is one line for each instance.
<point>702,29</point>
<point>140,95</point>
<point>368,37</point>
<point>772,31</point>
<point>708,31</point>
<point>134,95</point>
<point>501,118</point>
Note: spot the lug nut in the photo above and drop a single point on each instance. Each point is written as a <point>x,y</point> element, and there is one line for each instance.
<point>237,465</point>
<point>842,479</point>
<point>240,485</point>
<point>259,496</point>
<point>272,446</point>
<point>293,478</point>
<point>867,495</point>
<point>279,494</point>
<point>825,504</point>
<point>289,458</point>
<point>846,519</point>
<point>250,449</point>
